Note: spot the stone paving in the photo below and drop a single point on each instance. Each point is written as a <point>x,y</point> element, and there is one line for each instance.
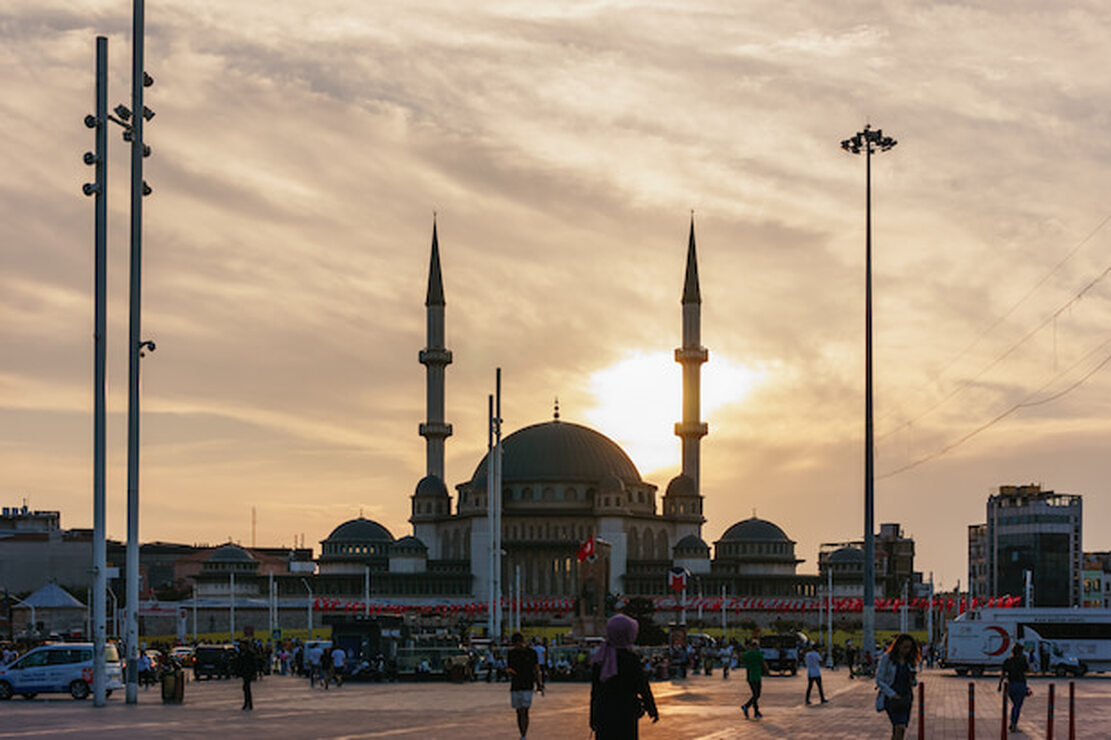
<point>700,708</point>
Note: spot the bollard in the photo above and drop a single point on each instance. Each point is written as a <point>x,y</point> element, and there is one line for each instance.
<point>1049,714</point>
<point>971,711</point>
<point>1006,694</point>
<point>921,710</point>
<point>1072,710</point>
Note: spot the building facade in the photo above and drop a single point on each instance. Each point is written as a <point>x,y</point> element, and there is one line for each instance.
<point>1029,529</point>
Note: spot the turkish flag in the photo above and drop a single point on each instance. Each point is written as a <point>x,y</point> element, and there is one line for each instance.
<point>586,551</point>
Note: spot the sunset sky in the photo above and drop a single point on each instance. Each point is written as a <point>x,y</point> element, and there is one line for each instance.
<point>300,149</point>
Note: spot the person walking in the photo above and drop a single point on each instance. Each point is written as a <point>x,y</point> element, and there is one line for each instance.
<point>1014,673</point>
<point>619,690</point>
<point>339,658</point>
<point>755,667</point>
<point>896,678</point>
<point>814,673</point>
<point>523,665</point>
<point>314,656</point>
<point>245,666</point>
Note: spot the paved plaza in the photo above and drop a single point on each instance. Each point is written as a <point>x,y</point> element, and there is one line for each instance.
<point>700,708</point>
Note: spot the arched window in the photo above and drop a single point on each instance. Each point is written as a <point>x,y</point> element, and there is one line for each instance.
<point>634,544</point>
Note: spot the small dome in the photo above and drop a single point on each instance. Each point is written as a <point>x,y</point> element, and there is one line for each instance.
<point>611,484</point>
<point>846,555</point>
<point>431,486</point>
<point>360,530</point>
<point>692,543</point>
<point>755,530</point>
<point>681,485</point>
<point>230,553</point>
<point>409,544</point>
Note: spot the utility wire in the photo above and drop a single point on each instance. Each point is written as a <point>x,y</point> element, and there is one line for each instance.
<point>1024,403</point>
<point>1010,350</point>
<point>961,386</point>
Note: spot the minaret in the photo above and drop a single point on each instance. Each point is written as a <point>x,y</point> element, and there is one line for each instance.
<point>435,357</point>
<point>691,356</point>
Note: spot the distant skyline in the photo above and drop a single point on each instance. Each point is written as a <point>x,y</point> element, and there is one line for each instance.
<point>298,156</point>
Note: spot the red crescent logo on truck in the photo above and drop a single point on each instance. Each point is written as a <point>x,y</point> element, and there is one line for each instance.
<point>1006,641</point>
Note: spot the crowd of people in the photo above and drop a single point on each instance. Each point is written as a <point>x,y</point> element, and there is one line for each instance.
<point>620,677</point>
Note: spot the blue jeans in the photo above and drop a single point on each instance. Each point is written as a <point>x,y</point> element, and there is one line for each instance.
<point>1017,692</point>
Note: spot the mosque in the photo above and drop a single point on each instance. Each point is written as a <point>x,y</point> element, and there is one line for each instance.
<point>561,484</point>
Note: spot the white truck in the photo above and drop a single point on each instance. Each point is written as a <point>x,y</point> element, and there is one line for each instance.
<point>1059,641</point>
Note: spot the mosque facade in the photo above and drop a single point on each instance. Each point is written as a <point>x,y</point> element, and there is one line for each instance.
<point>561,483</point>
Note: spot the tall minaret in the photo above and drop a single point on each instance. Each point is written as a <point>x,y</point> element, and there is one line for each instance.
<point>435,357</point>
<point>691,356</point>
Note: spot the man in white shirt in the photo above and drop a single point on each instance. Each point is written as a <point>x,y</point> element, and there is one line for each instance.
<point>814,673</point>
<point>338,657</point>
<point>315,655</point>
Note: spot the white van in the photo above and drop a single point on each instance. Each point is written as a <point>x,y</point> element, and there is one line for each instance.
<point>58,667</point>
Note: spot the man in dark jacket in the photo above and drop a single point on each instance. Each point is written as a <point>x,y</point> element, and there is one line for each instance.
<point>245,666</point>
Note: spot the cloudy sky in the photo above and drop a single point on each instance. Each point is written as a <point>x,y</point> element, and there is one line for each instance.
<point>300,150</point>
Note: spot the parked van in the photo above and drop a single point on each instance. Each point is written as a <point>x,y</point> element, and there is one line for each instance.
<point>59,667</point>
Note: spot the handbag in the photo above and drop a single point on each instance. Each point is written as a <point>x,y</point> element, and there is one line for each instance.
<point>879,701</point>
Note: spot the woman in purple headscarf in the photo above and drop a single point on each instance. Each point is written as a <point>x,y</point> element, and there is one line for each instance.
<point>619,694</point>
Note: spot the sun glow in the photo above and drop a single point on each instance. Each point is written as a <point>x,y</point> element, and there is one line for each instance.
<point>639,399</point>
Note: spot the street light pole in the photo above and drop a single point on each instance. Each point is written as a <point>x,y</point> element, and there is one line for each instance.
<point>99,189</point>
<point>134,134</point>
<point>869,141</point>
<point>309,589</point>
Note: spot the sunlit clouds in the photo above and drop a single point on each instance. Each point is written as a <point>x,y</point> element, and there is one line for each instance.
<point>639,401</point>
<point>299,152</point>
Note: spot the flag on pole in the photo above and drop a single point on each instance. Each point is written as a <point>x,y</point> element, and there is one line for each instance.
<point>586,550</point>
<point>677,579</point>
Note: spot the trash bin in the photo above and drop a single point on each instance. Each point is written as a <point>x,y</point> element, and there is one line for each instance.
<point>173,686</point>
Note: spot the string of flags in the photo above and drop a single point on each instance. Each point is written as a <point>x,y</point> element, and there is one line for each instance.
<point>558,606</point>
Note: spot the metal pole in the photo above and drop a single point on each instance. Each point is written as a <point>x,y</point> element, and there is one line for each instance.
<point>1049,713</point>
<point>829,616</point>
<point>971,711</point>
<point>497,503</point>
<point>1072,710</point>
<point>100,362</point>
<point>273,607</point>
<point>232,593</point>
<point>930,618</point>
<point>517,601</point>
<point>366,592</point>
<point>309,589</point>
<point>869,611</point>
<point>195,639</point>
<point>921,709</point>
<point>683,617</point>
<point>137,75</point>
<point>723,635</point>
<point>904,623</point>
<point>490,465</point>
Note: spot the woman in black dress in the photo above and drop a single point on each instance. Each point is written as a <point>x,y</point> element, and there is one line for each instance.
<point>619,693</point>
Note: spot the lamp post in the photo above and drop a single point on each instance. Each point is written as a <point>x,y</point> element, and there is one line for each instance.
<point>309,589</point>
<point>138,114</point>
<point>870,142</point>
<point>99,188</point>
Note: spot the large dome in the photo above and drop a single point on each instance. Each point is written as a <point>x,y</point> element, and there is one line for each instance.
<point>360,530</point>
<point>559,451</point>
<point>755,530</point>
